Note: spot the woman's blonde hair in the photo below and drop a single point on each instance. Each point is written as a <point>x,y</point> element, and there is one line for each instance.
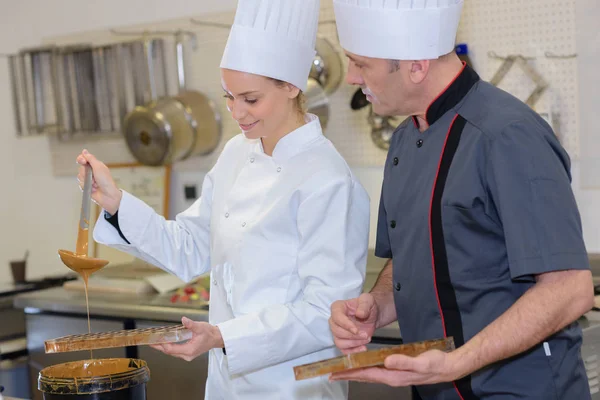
<point>300,99</point>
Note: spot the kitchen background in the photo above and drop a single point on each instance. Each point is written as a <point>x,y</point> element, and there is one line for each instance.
<point>39,206</point>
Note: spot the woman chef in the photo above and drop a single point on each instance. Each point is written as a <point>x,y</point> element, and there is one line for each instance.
<point>282,224</point>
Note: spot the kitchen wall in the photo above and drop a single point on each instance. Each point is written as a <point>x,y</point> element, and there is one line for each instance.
<point>39,211</point>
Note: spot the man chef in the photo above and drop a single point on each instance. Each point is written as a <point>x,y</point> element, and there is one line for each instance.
<point>477,218</point>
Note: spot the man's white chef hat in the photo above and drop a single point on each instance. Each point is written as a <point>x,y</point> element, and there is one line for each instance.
<point>398,29</point>
<point>274,38</point>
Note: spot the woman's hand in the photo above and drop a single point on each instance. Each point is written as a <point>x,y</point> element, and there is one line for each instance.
<point>104,190</point>
<point>204,338</point>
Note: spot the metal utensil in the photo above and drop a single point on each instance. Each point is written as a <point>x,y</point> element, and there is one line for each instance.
<point>540,83</point>
<point>38,89</point>
<point>13,67</point>
<point>84,217</point>
<point>382,129</point>
<point>327,66</point>
<point>170,129</point>
<point>317,102</point>
<point>78,260</point>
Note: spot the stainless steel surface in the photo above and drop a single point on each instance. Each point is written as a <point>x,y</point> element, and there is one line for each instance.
<point>317,102</point>
<point>59,300</point>
<point>38,89</point>
<point>69,94</point>
<point>170,129</point>
<point>13,65</point>
<point>161,75</point>
<point>327,68</point>
<point>180,58</point>
<point>84,218</point>
<point>79,102</point>
<point>149,49</point>
<point>25,94</point>
<point>382,129</point>
<point>205,119</point>
<point>155,69</point>
<point>158,133</point>
<point>103,82</point>
<point>119,64</point>
<point>86,90</point>
<point>138,72</point>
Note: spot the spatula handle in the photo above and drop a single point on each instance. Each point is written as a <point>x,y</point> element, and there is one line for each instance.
<point>84,219</point>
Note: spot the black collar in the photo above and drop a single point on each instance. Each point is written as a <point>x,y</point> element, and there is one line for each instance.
<point>451,96</point>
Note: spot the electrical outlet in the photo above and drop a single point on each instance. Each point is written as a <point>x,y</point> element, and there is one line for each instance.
<point>190,192</point>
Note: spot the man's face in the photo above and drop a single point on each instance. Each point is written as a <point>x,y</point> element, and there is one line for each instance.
<point>385,83</point>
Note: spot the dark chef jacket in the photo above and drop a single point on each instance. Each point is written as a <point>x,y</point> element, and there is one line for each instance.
<point>471,210</point>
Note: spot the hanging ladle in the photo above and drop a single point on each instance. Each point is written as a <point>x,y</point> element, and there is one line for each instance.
<point>79,261</point>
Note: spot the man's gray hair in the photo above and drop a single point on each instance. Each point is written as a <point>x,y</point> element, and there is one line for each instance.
<point>394,65</point>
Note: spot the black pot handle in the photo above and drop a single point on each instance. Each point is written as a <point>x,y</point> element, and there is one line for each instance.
<point>359,100</point>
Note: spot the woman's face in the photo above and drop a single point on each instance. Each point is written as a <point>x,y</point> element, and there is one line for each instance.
<point>259,105</point>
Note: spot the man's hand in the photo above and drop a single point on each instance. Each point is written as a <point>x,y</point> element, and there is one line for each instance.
<point>431,367</point>
<point>353,322</point>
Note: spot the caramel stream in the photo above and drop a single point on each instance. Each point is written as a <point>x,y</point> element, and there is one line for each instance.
<point>84,266</point>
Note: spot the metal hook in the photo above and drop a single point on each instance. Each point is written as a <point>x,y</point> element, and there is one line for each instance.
<point>550,54</point>
<point>210,23</point>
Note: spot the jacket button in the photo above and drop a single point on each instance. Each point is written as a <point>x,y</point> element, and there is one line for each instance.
<point>395,160</point>
<point>419,142</point>
<point>252,160</point>
<point>226,215</point>
<point>393,224</point>
<point>243,224</point>
<point>397,286</point>
<point>279,169</point>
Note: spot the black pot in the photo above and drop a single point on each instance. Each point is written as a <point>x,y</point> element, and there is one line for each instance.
<point>67,382</point>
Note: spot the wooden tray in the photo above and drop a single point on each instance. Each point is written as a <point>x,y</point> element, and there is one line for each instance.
<point>369,358</point>
<point>123,338</point>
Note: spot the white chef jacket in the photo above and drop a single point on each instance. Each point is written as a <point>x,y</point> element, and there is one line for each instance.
<point>284,237</point>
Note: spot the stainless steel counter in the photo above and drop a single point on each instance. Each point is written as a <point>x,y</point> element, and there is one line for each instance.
<point>141,307</point>
<point>63,301</point>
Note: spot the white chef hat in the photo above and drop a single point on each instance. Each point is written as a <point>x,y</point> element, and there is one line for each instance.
<point>274,38</point>
<point>398,29</point>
